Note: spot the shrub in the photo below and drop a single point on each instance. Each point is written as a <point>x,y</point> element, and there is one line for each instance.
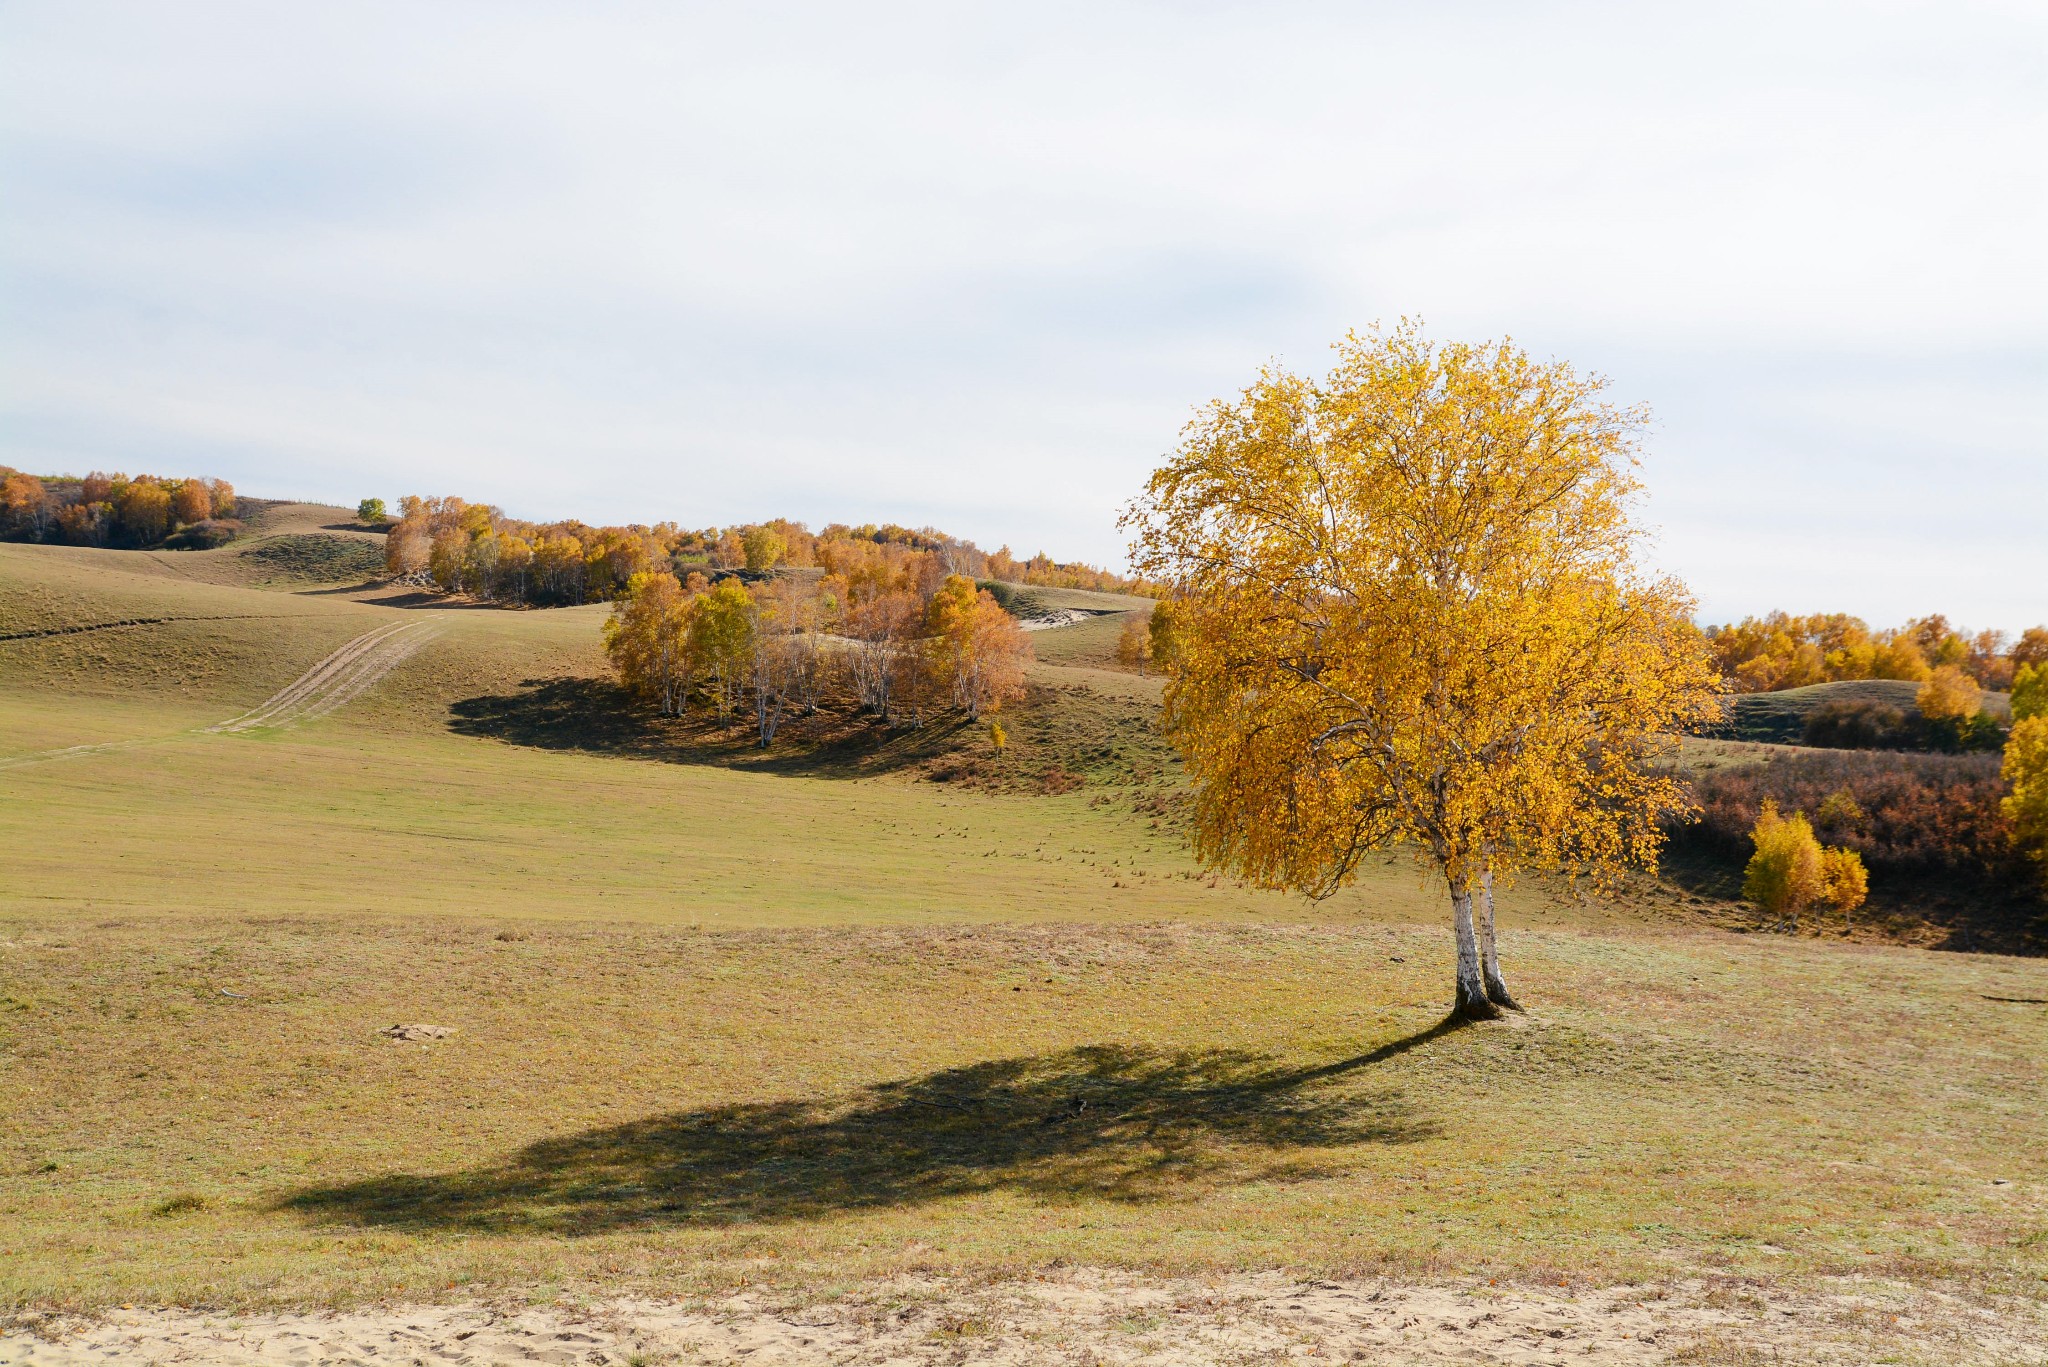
<point>1787,874</point>
<point>1918,814</point>
<point>1845,883</point>
<point>1962,735</point>
<point>1058,779</point>
<point>1839,811</point>
<point>1859,724</point>
<point>182,1204</point>
<point>200,536</point>
<point>370,510</point>
<point>2025,768</point>
<point>1866,724</point>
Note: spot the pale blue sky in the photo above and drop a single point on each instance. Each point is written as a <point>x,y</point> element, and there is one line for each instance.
<point>975,265</point>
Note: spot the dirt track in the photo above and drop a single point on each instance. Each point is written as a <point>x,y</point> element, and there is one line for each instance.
<point>1078,1316</point>
<point>336,679</point>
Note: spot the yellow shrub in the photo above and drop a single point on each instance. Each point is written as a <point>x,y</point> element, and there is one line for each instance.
<point>1785,875</point>
<point>2026,773</point>
<point>1845,882</point>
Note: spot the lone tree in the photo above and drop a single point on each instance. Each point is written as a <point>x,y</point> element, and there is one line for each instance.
<point>1408,611</point>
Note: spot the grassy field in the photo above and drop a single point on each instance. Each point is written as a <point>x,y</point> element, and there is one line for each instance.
<point>206,1113</point>
<point>858,1008</point>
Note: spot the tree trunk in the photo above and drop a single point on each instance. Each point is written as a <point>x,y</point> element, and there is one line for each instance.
<point>1472,999</point>
<point>1489,955</point>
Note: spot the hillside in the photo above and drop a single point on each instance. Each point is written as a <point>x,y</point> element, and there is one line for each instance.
<point>1780,717</point>
<point>883,1026</point>
<point>129,647</point>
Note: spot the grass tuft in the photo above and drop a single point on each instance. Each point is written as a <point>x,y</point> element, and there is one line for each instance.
<point>185,1203</point>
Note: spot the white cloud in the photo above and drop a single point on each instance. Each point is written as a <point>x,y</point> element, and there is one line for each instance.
<point>976,266</point>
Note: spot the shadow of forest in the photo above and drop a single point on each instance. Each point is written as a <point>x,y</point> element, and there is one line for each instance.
<point>596,715</point>
<point>1103,1121</point>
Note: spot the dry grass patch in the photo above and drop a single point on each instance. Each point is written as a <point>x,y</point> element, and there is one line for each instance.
<point>648,1109</point>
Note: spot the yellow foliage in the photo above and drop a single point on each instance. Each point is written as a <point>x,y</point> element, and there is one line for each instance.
<point>1134,643</point>
<point>191,501</point>
<point>647,637</point>
<point>1407,610</point>
<point>1949,694</point>
<point>2030,692</point>
<point>762,547</point>
<point>1787,874</point>
<point>722,639</point>
<point>1791,871</point>
<point>1841,809</point>
<point>1163,636</point>
<point>1845,883</point>
<point>144,508</point>
<point>1899,658</point>
<point>977,649</point>
<point>2025,771</point>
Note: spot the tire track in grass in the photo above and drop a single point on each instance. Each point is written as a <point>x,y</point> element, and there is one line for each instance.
<point>334,682</point>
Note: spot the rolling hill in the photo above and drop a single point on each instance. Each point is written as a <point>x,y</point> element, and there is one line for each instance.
<point>1780,718</point>
<point>874,1011</point>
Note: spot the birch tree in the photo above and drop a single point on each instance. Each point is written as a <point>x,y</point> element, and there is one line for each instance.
<point>647,637</point>
<point>1408,611</point>
<point>977,650</point>
<point>1134,642</point>
<point>722,640</point>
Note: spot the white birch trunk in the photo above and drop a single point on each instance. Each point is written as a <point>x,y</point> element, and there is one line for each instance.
<point>1472,1003</point>
<point>1489,953</point>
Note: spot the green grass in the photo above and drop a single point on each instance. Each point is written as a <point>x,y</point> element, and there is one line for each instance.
<point>860,1008</point>
<point>341,818</point>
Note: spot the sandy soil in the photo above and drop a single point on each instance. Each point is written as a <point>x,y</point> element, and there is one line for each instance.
<point>1081,1317</point>
<point>1063,617</point>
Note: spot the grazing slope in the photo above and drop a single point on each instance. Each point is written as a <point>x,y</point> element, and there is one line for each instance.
<point>901,1010</point>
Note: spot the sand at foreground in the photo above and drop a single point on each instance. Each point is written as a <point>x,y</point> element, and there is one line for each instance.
<point>1083,1316</point>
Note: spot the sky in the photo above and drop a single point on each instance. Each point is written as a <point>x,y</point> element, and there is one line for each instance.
<point>974,266</point>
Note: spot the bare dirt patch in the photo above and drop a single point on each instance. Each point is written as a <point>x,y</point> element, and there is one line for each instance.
<point>1077,1315</point>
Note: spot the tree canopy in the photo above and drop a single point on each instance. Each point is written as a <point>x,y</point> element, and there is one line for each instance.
<point>1407,610</point>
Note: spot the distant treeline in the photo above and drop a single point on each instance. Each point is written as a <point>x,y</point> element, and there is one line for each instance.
<point>1779,651</point>
<point>474,548</point>
<point>116,510</point>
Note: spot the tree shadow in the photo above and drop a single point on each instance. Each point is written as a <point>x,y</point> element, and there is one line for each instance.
<point>597,715</point>
<point>1971,913</point>
<point>1104,1121</point>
